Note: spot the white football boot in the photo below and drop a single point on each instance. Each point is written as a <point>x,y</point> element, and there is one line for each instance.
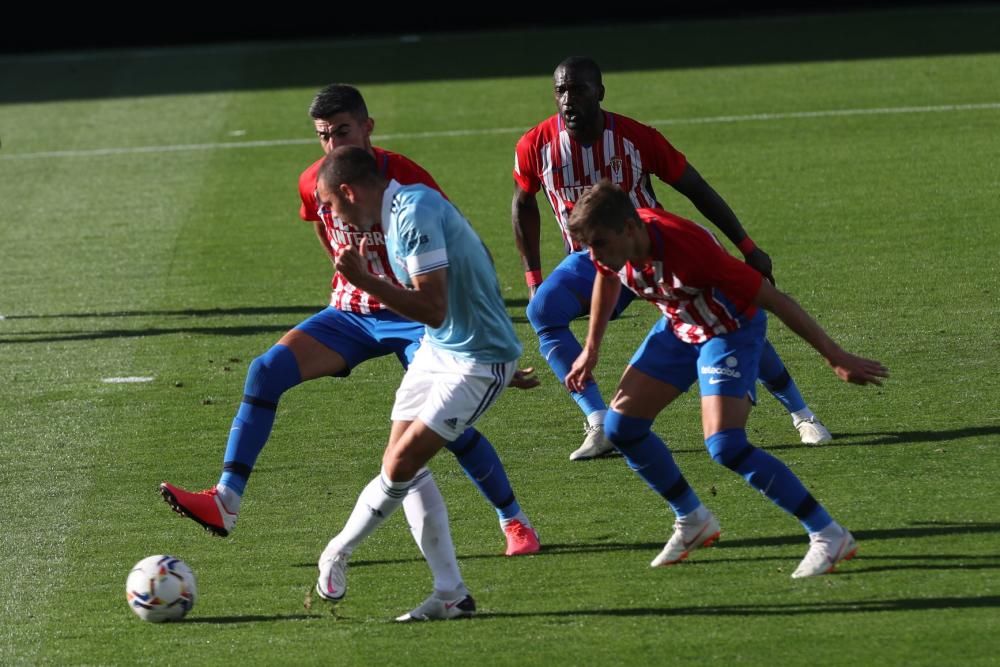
<point>595,444</point>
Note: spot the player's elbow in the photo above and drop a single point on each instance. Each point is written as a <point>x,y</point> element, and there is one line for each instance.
<point>436,313</point>
<point>523,201</point>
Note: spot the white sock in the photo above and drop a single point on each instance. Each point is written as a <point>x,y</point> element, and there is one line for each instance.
<point>800,415</point>
<point>832,531</point>
<point>456,594</point>
<point>520,516</point>
<point>375,504</point>
<point>698,515</point>
<point>596,418</point>
<point>428,518</point>
<point>230,499</point>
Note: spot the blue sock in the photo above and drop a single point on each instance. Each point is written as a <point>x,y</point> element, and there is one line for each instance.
<point>775,378</point>
<point>562,298</point>
<point>649,458</point>
<point>481,463</point>
<point>769,476</point>
<point>270,375</point>
<point>560,349</point>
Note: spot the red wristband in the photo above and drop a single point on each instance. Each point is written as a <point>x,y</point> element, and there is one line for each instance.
<point>746,246</point>
<point>533,278</point>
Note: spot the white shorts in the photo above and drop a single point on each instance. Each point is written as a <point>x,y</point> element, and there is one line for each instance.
<point>448,393</point>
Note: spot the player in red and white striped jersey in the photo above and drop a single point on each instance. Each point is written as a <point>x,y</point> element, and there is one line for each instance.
<point>354,328</point>
<point>683,286</point>
<point>712,333</point>
<point>566,155</point>
<point>624,151</point>
<point>333,233</point>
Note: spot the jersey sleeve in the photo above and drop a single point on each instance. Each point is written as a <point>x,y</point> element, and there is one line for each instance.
<point>526,165</point>
<point>408,172</point>
<point>421,236</point>
<point>700,261</point>
<point>668,163</point>
<point>308,209</point>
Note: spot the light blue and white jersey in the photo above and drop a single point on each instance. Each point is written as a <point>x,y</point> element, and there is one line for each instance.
<point>424,233</point>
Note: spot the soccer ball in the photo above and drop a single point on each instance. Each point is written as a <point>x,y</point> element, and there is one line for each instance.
<point>160,588</point>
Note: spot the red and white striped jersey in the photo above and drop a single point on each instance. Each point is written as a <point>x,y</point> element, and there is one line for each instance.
<point>344,295</point>
<point>627,153</point>
<point>701,289</point>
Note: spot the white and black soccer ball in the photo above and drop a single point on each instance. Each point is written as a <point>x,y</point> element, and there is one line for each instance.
<point>160,588</point>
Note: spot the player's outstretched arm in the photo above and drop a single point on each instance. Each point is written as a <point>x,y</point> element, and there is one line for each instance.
<point>847,366</point>
<point>526,221</point>
<point>426,303</point>
<point>710,203</point>
<point>602,304</point>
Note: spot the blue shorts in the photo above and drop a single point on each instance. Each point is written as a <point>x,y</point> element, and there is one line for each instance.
<point>568,289</point>
<point>724,366</point>
<point>358,338</point>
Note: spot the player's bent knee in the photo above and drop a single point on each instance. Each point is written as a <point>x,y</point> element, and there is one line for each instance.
<point>272,373</point>
<point>554,305</point>
<point>729,447</point>
<point>779,383</point>
<point>399,467</point>
<point>539,317</point>
<point>624,431</point>
<point>465,443</point>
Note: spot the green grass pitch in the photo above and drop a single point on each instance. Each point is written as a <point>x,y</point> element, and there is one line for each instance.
<point>148,227</point>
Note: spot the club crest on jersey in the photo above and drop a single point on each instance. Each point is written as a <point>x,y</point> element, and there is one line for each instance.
<point>616,164</point>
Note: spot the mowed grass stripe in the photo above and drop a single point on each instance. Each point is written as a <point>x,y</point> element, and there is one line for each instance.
<point>869,222</point>
<point>707,120</point>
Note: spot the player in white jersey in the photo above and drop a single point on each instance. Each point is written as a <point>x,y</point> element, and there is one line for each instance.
<point>566,155</point>
<point>466,360</point>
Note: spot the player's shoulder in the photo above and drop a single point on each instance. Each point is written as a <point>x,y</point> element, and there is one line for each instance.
<point>401,168</point>
<point>630,126</point>
<point>415,211</point>
<point>393,161</point>
<point>671,222</point>
<point>383,155</point>
<point>416,196</point>
<point>543,132</point>
<point>308,176</point>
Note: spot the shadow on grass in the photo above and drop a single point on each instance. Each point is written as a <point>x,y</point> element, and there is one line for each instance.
<point>21,337</point>
<point>877,438</point>
<point>914,531</point>
<point>782,609</point>
<point>737,610</point>
<point>185,312</point>
<point>304,310</point>
<point>252,618</point>
<point>907,437</point>
<point>47,337</point>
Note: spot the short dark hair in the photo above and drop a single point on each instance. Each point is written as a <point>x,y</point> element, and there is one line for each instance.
<point>338,98</point>
<point>582,65</point>
<point>604,206</point>
<point>347,164</point>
